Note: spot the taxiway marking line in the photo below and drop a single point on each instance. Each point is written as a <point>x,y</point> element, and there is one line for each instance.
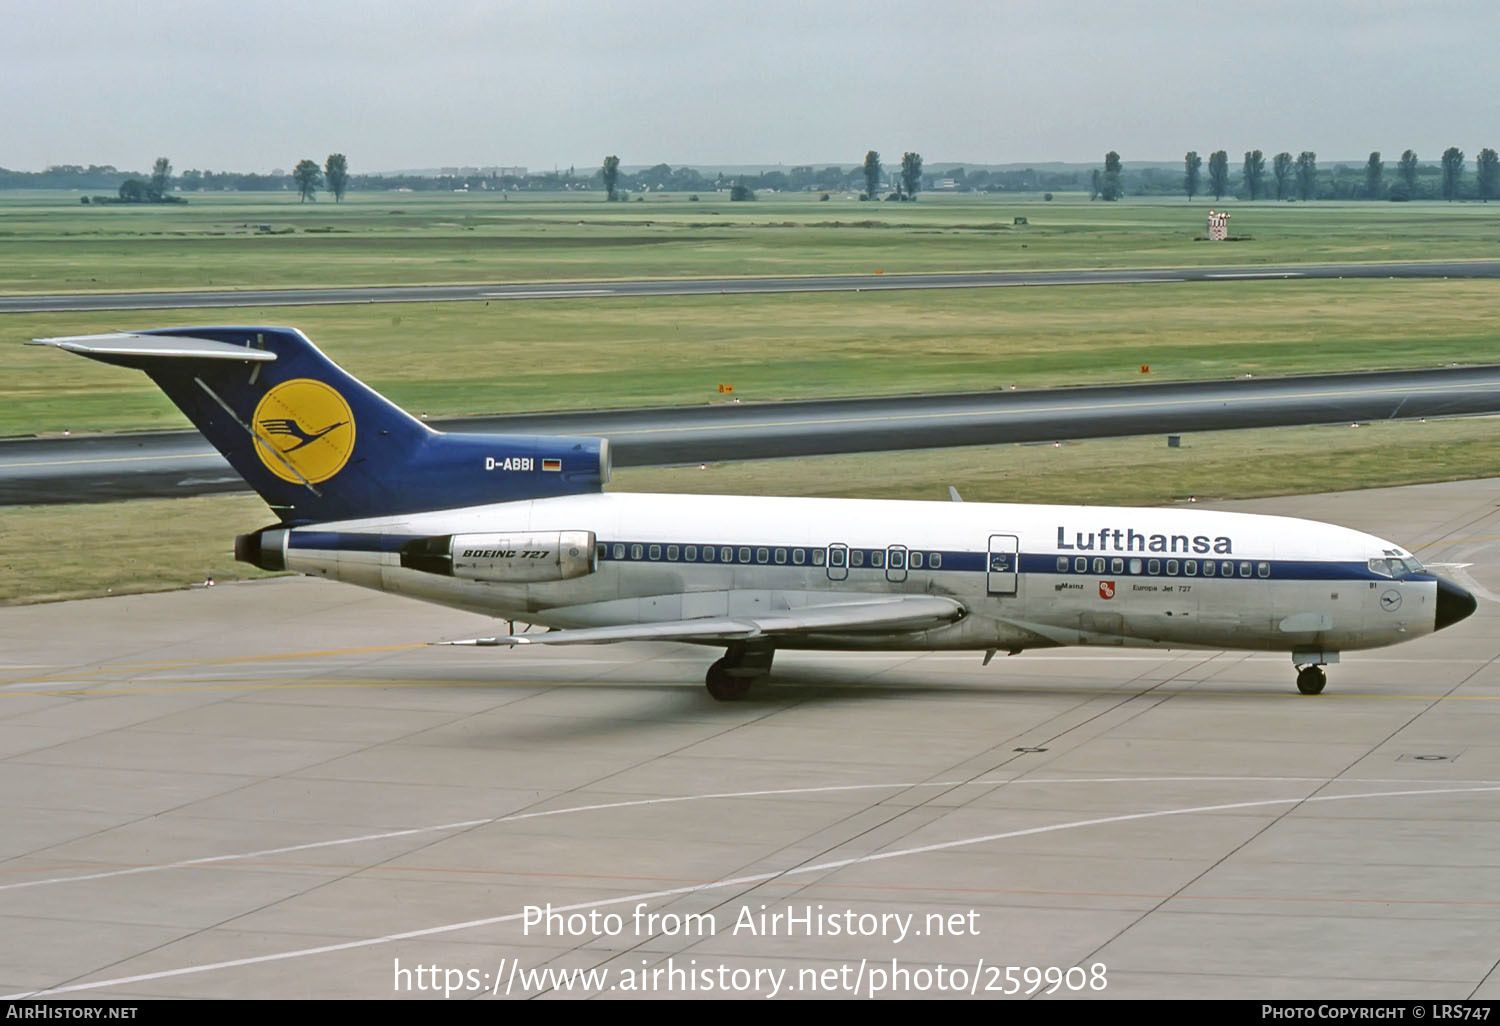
<point>740,881</point>
<point>1469,785</point>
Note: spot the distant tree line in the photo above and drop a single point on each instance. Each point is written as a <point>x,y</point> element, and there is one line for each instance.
<point>1256,177</point>
<point>659,178</point>
<point>1300,178</point>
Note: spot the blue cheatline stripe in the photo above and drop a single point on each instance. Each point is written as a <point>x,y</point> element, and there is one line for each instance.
<point>949,560</point>
<point>978,562</point>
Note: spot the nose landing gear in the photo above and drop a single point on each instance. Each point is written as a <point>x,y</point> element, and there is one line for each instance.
<point>1311,679</point>
<point>731,678</point>
<point>1309,663</point>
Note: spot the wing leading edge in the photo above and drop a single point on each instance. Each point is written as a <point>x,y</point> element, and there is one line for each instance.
<point>898,613</point>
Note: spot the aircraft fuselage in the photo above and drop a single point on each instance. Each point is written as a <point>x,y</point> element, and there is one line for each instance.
<point>1027,576</point>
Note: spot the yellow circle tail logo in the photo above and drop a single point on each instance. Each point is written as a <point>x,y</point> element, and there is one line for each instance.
<point>303,427</point>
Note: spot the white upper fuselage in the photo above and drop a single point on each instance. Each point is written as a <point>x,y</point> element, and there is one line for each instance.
<point>1027,575</point>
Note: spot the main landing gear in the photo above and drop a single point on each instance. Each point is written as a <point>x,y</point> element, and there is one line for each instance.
<point>730,679</point>
<point>1311,679</point>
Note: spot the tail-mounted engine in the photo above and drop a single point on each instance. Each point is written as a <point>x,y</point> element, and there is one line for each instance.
<point>529,558</point>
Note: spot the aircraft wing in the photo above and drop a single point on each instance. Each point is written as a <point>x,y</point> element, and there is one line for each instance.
<point>896,613</point>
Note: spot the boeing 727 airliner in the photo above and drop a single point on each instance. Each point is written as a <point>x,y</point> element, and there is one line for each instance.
<point>519,527</point>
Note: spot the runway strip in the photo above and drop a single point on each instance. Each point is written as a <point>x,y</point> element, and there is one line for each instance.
<point>167,464</point>
<point>219,299</point>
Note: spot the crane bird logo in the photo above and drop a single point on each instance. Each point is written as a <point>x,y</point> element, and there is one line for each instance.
<point>304,431</point>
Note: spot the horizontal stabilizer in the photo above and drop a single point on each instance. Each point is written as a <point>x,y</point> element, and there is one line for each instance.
<point>900,613</point>
<point>176,347</point>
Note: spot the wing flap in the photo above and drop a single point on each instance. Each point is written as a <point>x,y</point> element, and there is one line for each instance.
<point>895,613</point>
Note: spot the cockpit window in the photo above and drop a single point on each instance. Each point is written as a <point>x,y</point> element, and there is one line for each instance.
<point>1395,566</point>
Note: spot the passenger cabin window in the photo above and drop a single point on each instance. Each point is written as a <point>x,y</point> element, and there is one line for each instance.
<point>655,552</point>
<point>1153,567</point>
<point>1171,568</point>
<point>1062,564</point>
<point>762,555</point>
<point>1117,565</point>
<point>691,553</point>
<point>781,555</point>
<point>817,557</point>
<point>1135,566</point>
<point>837,557</point>
<point>1263,569</point>
<point>1226,569</point>
<point>744,555</point>
<point>856,557</point>
<point>619,552</point>
<point>672,552</point>
<point>636,551</point>
<point>936,561</point>
<point>1190,567</point>
<point>1098,564</point>
<point>898,559</point>
<point>1080,564</point>
<point>799,556</point>
<point>877,558</point>
<point>1208,567</point>
<point>916,561</point>
<point>603,551</point>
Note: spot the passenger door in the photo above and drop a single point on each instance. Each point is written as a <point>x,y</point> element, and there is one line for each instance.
<point>1003,567</point>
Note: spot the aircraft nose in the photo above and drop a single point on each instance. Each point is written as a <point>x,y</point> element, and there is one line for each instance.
<point>1453,603</point>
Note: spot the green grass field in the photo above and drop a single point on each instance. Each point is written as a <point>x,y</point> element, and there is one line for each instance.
<point>449,359</point>
<point>51,243</point>
<point>54,552</point>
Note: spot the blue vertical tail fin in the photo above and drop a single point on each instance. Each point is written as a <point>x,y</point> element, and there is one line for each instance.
<point>318,444</point>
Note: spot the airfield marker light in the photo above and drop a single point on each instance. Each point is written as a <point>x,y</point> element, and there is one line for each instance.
<point>1145,368</point>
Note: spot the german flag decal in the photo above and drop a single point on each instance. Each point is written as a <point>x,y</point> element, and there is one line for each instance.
<point>552,465</point>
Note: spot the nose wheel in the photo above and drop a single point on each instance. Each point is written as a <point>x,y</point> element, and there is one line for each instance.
<point>1311,680</point>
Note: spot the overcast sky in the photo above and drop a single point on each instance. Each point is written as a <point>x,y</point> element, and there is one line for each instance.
<point>394,84</point>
